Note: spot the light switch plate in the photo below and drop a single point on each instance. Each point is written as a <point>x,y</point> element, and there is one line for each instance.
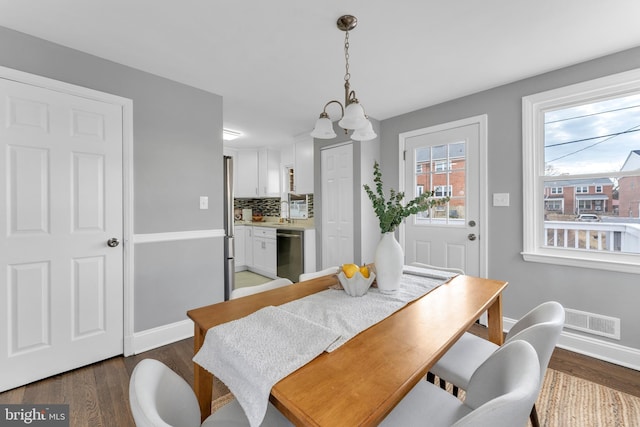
<point>204,202</point>
<point>500,199</point>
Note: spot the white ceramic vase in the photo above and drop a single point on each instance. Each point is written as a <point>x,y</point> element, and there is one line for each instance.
<point>388,261</point>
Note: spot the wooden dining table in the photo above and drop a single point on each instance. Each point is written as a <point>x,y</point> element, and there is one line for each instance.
<point>362,381</point>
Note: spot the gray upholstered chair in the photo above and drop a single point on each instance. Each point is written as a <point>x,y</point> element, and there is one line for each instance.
<point>500,394</point>
<point>541,327</point>
<point>325,272</point>
<point>161,398</point>
<point>250,290</point>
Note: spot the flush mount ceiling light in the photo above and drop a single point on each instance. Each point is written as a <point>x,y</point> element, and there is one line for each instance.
<point>230,135</point>
<point>353,116</point>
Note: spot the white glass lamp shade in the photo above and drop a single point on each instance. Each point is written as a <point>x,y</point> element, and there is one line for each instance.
<point>323,129</point>
<point>353,117</point>
<point>364,134</point>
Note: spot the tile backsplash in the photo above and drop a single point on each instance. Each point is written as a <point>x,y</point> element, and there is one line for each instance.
<point>269,206</point>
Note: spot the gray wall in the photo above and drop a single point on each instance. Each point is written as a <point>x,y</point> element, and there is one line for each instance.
<point>597,291</point>
<point>177,158</point>
<point>170,286</point>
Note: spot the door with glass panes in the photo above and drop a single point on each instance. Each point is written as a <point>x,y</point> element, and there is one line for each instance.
<point>445,160</point>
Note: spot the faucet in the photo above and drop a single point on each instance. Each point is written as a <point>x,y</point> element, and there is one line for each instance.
<point>288,217</point>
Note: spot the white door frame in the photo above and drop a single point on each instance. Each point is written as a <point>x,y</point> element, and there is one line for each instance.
<point>127,178</point>
<point>481,121</point>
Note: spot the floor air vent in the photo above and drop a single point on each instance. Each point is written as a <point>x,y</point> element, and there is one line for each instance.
<point>596,324</point>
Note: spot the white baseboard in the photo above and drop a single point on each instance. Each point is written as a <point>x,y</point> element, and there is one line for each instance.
<point>594,347</point>
<point>163,335</point>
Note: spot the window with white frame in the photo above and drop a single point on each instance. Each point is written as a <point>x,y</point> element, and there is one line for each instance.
<point>556,190</point>
<point>585,205</point>
<point>585,136</point>
<point>442,191</point>
<point>442,165</point>
<point>554,205</point>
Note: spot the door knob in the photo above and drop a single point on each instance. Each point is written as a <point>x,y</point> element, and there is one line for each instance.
<point>113,242</point>
<point>471,236</point>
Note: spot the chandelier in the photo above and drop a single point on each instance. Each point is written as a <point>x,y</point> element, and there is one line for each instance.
<point>353,116</point>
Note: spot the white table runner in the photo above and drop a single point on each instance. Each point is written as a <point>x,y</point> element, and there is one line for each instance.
<point>348,316</point>
<point>253,353</point>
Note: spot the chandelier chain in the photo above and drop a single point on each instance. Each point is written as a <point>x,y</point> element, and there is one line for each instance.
<point>353,116</point>
<point>347,75</point>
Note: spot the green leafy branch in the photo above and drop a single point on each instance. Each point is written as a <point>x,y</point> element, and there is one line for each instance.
<point>392,212</point>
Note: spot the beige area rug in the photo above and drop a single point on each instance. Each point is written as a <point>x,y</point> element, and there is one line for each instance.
<point>564,401</point>
<point>568,401</point>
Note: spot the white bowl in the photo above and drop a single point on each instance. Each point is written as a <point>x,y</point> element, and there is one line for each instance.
<point>357,285</point>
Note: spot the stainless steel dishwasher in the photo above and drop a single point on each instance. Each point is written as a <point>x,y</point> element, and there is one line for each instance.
<point>290,253</point>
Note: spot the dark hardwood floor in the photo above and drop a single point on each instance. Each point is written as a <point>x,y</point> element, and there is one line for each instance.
<point>98,394</point>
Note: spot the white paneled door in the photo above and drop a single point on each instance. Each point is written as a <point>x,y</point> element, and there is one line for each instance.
<point>337,205</point>
<point>61,287</point>
<point>446,159</point>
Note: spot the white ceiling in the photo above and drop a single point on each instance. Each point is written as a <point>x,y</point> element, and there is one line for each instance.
<point>276,63</point>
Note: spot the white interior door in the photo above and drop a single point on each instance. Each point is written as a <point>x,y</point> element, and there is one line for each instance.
<point>445,159</point>
<point>61,287</point>
<point>337,205</point>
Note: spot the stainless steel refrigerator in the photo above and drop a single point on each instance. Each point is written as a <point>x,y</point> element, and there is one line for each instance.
<point>229,249</point>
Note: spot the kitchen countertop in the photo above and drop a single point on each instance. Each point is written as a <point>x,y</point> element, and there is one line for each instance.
<point>297,224</point>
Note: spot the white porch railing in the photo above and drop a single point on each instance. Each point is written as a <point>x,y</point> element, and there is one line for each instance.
<point>598,236</point>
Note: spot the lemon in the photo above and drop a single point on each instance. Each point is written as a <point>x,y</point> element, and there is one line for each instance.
<point>350,270</point>
<point>364,270</point>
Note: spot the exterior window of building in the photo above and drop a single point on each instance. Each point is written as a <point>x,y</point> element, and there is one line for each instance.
<point>585,205</point>
<point>582,189</point>
<point>556,190</point>
<point>553,205</point>
<point>581,157</point>
<point>442,166</point>
<point>442,191</point>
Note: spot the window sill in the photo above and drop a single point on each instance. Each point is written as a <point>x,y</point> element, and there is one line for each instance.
<point>622,264</point>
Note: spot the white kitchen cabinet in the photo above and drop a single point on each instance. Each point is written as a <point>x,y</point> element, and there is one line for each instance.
<point>248,246</point>
<point>303,166</point>
<point>264,251</point>
<point>257,173</point>
<point>287,155</point>
<point>245,172</point>
<point>257,248</point>
<point>239,240</point>
<point>310,251</point>
<point>268,173</point>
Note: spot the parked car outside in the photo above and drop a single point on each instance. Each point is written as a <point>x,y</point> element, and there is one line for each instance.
<point>588,218</point>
